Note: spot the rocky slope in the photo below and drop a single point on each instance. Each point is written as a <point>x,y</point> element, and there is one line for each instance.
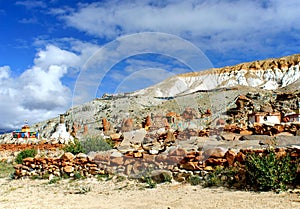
<point>177,93</point>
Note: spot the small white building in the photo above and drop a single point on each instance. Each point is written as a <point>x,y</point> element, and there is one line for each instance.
<point>264,117</point>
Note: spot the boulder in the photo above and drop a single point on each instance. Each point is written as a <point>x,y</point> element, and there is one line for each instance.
<point>230,157</point>
<point>218,152</point>
<point>67,156</point>
<point>68,169</point>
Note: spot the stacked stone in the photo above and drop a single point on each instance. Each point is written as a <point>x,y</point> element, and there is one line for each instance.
<point>179,162</point>
<point>67,164</point>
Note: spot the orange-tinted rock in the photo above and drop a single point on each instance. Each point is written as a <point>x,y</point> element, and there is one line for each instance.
<point>220,122</point>
<point>217,152</point>
<point>67,156</point>
<point>240,157</point>
<point>115,136</point>
<point>137,155</point>
<point>102,157</point>
<point>106,125</point>
<point>161,158</point>
<point>68,169</point>
<point>192,166</point>
<point>189,113</point>
<point>147,124</point>
<point>85,129</point>
<point>178,152</point>
<point>230,157</point>
<point>117,160</point>
<point>127,125</point>
<point>246,132</point>
<point>215,161</point>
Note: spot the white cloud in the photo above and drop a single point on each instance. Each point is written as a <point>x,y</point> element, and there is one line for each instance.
<point>29,4</point>
<point>212,24</point>
<point>39,92</point>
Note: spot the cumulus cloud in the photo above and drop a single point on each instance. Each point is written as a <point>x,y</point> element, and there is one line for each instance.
<point>39,93</point>
<point>212,24</point>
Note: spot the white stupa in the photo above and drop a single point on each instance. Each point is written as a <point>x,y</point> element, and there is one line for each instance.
<point>61,134</point>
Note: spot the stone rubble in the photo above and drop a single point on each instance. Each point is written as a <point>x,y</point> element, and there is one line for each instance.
<point>177,162</point>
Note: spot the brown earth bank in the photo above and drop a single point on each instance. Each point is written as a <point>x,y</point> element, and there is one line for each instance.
<point>91,193</point>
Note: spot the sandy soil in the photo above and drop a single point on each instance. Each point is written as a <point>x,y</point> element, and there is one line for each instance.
<point>129,194</point>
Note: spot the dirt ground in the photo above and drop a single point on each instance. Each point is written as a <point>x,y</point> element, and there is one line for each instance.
<point>92,193</point>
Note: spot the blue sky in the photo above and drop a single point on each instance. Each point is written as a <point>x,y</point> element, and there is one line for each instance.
<point>45,44</point>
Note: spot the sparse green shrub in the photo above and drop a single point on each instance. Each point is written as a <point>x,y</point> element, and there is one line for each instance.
<point>6,169</point>
<point>94,144</point>
<point>77,175</point>
<point>102,177</point>
<point>194,180</point>
<point>75,147</point>
<point>227,177</point>
<point>46,175</point>
<point>260,172</point>
<point>267,172</point>
<point>166,177</point>
<point>24,154</point>
<point>84,189</point>
<point>150,182</point>
<point>54,180</point>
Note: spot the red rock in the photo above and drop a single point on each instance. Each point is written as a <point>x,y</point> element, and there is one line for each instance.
<point>174,159</point>
<point>137,155</point>
<point>149,158</point>
<point>68,169</point>
<point>215,161</point>
<point>127,125</point>
<point>28,160</point>
<point>147,124</point>
<point>220,122</point>
<point>115,136</point>
<point>161,158</point>
<point>67,156</point>
<point>192,166</point>
<point>117,160</point>
<point>230,157</point>
<point>246,132</point>
<point>85,129</point>
<point>240,157</point>
<point>102,157</point>
<point>199,158</point>
<point>178,152</point>
<point>106,125</point>
<point>215,152</point>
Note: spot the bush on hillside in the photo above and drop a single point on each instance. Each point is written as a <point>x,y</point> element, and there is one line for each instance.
<point>24,154</point>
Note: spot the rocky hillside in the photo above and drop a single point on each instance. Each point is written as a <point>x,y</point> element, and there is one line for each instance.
<point>212,92</point>
<point>267,74</point>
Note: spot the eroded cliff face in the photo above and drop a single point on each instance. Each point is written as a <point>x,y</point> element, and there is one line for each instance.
<point>267,74</point>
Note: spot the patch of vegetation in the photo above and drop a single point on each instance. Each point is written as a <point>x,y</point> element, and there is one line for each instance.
<point>227,177</point>
<point>83,189</point>
<point>77,175</point>
<point>6,169</point>
<point>24,154</point>
<point>94,144</point>
<point>150,182</point>
<point>75,147</point>
<point>166,177</point>
<point>264,173</point>
<point>194,180</point>
<point>151,178</point>
<point>260,173</point>
<point>54,180</point>
<point>104,177</point>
